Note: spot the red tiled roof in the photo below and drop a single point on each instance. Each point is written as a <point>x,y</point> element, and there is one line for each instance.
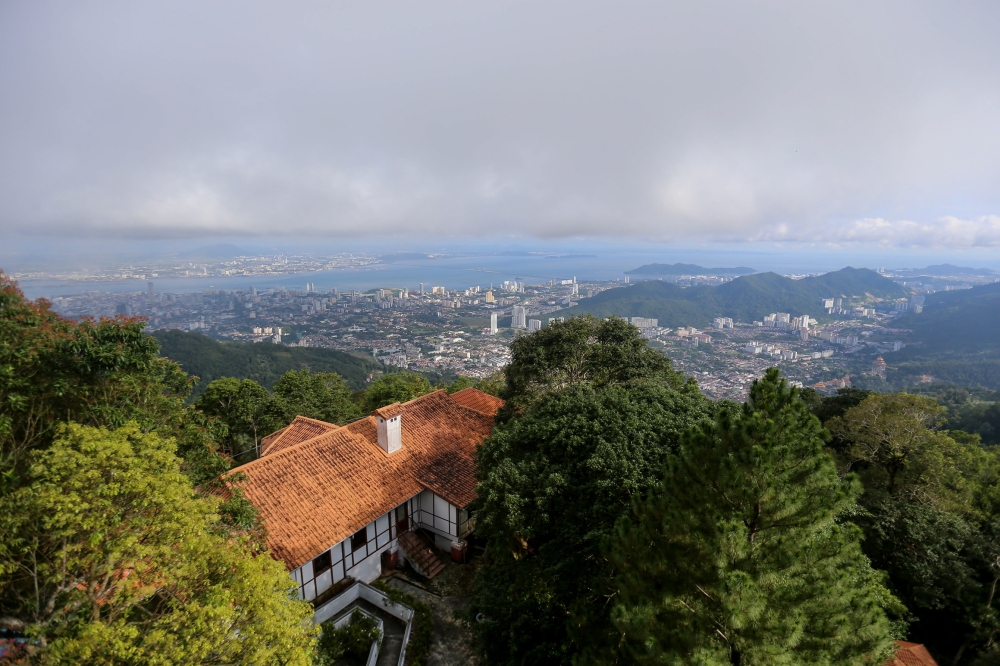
<point>313,494</point>
<point>911,654</point>
<point>389,411</point>
<point>298,431</point>
<point>484,403</point>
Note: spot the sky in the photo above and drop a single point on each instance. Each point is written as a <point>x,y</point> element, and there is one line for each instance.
<point>841,125</point>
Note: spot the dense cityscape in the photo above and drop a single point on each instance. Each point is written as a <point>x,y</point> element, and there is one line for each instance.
<point>468,331</point>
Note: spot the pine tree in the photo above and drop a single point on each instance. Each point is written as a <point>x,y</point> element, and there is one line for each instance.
<point>738,556</point>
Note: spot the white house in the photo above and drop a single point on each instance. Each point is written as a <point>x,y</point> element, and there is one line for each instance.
<point>344,501</point>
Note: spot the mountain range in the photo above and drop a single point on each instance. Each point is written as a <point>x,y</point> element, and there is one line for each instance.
<point>746,298</point>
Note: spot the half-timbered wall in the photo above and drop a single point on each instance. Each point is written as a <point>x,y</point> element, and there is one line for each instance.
<point>362,563</point>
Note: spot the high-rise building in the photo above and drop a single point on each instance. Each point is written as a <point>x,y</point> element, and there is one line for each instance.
<point>534,325</point>
<point>253,291</point>
<point>489,297</point>
<point>518,318</point>
<point>421,288</point>
<point>493,324</point>
<point>150,290</point>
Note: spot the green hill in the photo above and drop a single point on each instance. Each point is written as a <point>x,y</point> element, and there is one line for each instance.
<point>745,299</point>
<point>262,362</point>
<point>687,269</point>
<point>955,339</point>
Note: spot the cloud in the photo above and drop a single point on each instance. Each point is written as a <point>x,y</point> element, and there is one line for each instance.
<point>946,232</point>
<point>661,120</point>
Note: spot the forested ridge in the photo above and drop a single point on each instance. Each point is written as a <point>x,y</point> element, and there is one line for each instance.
<point>746,298</point>
<point>264,363</point>
<point>955,339</point>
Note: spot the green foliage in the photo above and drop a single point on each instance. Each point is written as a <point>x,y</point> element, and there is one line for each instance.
<point>353,640</point>
<point>324,396</point>
<point>397,387</point>
<point>264,363</point>
<point>419,647</point>
<point>493,385</point>
<point>247,409</point>
<point>954,340</point>
<point>738,557</point>
<point>108,556</point>
<point>552,483</point>
<point>744,299</point>
<point>581,351</point>
<point>101,373</point>
<point>930,517</point>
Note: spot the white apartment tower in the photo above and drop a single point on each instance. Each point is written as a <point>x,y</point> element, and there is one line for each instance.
<point>518,317</point>
<point>493,324</point>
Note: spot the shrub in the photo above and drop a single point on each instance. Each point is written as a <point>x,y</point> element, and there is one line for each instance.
<point>354,639</point>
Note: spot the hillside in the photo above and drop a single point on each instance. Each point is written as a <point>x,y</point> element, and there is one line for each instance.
<point>955,339</point>
<point>263,362</point>
<point>687,269</point>
<point>746,298</point>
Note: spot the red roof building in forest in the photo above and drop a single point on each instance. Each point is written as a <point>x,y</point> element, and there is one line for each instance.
<point>337,501</point>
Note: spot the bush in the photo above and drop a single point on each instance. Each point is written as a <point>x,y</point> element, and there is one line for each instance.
<point>420,635</point>
<point>354,640</point>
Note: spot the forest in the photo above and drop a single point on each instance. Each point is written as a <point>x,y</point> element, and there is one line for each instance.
<point>264,363</point>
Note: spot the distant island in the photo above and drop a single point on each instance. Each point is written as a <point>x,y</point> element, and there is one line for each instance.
<point>688,269</point>
<point>571,256</point>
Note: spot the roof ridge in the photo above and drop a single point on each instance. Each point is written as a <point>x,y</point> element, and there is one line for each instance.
<point>312,420</point>
<point>284,431</point>
<point>294,447</point>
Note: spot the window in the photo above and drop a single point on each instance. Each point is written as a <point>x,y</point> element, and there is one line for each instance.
<point>321,564</point>
<point>359,539</point>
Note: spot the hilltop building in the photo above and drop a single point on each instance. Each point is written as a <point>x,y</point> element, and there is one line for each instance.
<point>348,501</point>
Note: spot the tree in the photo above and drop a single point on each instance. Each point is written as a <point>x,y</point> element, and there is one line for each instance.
<point>552,483</point>
<point>324,396</point>
<point>100,373</point>
<point>248,410</point>
<point>929,513</point>
<point>583,350</point>
<point>397,387</point>
<point>738,556</point>
<point>108,556</point>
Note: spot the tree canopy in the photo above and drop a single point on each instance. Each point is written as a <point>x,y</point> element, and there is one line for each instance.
<point>738,557</point>
<point>582,350</point>
<point>108,556</point>
<point>552,483</point>
<point>929,513</point>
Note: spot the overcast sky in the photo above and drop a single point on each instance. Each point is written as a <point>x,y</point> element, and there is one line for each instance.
<point>837,122</point>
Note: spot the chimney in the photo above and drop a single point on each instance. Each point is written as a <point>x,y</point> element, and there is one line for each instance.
<point>390,433</point>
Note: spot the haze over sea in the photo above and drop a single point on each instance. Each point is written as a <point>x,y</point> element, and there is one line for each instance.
<point>464,266</point>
